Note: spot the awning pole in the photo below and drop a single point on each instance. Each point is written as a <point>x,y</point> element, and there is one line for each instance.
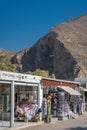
<point>40,97</point>
<point>12,104</point>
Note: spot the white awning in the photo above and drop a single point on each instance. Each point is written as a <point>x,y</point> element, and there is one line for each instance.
<point>69,90</point>
<point>83,89</point>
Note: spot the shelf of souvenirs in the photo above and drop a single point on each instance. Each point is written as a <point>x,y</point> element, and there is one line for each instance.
<point>28,92</point>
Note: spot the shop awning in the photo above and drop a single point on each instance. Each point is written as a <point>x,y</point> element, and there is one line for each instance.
<point>83,89</point>
<point>69,90</point>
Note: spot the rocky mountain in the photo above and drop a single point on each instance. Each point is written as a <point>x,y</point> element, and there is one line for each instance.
<point>74,36</point>
<point>17,59</point>
<point>5,63</point>
<point>9,54</point>
<point>63,51</point>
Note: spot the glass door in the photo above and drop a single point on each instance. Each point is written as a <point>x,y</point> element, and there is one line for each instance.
<point>5,107</point>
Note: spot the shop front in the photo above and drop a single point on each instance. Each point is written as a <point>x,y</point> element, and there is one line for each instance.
<point>83,91</point>
<point>64,97</point>
<point>69,103</point>
<point>19,94</point>
<point>21,97</point>
<point>84,99</point>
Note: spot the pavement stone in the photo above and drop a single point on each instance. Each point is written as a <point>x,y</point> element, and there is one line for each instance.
<point>80,123</point>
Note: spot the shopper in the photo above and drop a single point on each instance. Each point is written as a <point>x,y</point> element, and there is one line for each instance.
<point>44,108</point>
<point>48,118</point>
<point>80,106</point>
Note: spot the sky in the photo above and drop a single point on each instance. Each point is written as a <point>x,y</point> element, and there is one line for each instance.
<point>24,22</point>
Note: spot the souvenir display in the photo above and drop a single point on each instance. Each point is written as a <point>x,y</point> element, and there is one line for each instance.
<point>54,104</point>
<point>61,104</point>
<point>26,106</point>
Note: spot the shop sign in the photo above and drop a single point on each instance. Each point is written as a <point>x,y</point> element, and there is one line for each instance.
<point>19,77</point>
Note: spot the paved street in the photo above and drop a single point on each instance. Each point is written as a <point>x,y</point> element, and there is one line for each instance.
<point>75,124</point>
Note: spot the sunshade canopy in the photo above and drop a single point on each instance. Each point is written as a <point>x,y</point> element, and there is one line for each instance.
<point>69,90</point>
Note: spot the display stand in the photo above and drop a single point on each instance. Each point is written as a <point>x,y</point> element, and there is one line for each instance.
<point>63,106</point>
<point>60,109</point>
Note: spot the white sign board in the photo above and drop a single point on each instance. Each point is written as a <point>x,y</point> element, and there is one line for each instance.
<point>11,76</point>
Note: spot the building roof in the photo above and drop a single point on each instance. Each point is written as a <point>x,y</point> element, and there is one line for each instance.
<point>57,82</point>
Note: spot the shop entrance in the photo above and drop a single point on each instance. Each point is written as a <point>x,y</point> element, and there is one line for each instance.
<point>26,102</point>
<point>64,102</point>
<point>5,106</point>
<point>53,92</point>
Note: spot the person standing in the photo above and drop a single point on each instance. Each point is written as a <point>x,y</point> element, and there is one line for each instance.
<point>48,118</point>
<point>44,108</point>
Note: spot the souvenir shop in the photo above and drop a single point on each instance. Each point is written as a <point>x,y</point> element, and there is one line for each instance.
<point>20,97</point>
<point>83,91</point>
<point>64,98</point>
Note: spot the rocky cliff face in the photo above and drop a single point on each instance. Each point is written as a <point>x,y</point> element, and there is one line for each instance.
<point>17,59</point>
<point>63,51</point>
<point>74,36</point>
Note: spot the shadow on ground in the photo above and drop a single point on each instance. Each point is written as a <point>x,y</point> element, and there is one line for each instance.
<point>77,128</point>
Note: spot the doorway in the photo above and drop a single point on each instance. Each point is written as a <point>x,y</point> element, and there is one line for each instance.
<point>5,105</point>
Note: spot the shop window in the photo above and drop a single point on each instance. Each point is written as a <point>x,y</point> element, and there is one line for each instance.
<point>26,94</point>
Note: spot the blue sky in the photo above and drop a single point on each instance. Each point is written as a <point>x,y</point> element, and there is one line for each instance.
<point>24,22</point>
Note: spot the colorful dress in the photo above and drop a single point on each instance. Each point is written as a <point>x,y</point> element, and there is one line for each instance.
<point>48,110</point>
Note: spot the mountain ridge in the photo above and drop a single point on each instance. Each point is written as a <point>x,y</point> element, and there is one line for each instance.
<point>63,51</point>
